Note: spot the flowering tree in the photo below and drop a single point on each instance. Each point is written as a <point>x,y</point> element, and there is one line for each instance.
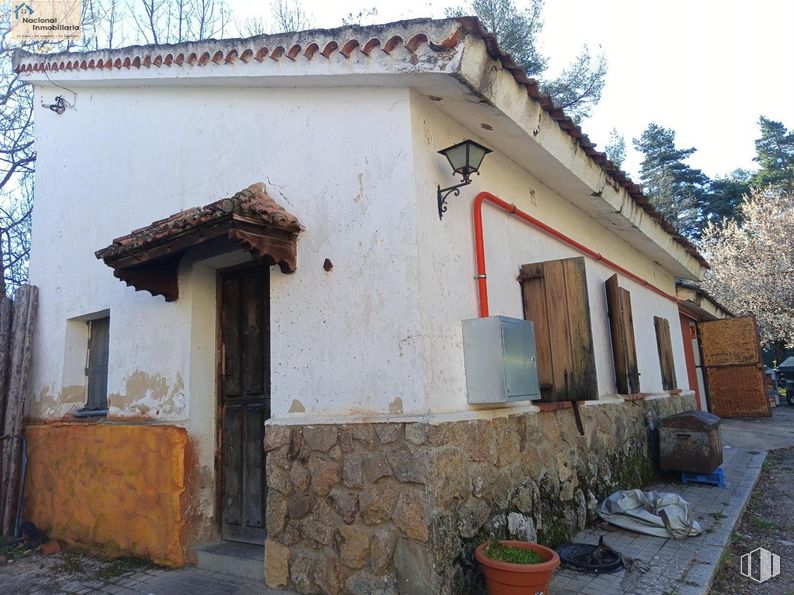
<point>753,264</point>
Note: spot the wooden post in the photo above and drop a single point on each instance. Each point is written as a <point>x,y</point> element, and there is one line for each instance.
<point>6,308</point>
<point>25,305</point>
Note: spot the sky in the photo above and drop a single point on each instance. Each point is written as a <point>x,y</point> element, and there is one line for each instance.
<point>705,68</point>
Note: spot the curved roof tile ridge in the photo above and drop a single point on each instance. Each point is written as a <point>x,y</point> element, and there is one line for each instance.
<point>345,41</point>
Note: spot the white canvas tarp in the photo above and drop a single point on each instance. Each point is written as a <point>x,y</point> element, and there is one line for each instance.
<point>655,513</point>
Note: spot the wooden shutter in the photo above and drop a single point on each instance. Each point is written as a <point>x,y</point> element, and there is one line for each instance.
<point>97,370</point>
<point>555,299</point>
<point>621,326</point>
<point>665,347</point>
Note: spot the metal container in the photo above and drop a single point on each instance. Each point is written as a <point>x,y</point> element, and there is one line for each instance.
<point>499,354</point>
<point>690,442</point>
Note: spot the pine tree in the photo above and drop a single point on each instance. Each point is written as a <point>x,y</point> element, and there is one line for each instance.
<point>724,196</point>
<point>674,188</point>
<point>616,148</point>
<point>578,88</point>
<point>775,155</point>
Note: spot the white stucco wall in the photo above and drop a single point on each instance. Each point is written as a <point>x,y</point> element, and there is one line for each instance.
<point>447,264</point>
<point>341,341</point>
<point>380,334</point>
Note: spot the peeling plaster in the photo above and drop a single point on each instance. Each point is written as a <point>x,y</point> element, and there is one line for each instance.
<point>149,396</point>
<point>48,405</point>
<point>296,407</point>
<point>360,195</point>
<point>72,394</point>
<point>396,406</point>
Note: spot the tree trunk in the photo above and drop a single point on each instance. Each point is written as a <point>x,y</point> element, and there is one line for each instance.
<point>779,352</point>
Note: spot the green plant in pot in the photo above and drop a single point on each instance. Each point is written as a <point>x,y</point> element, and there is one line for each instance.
<point>516,567</point>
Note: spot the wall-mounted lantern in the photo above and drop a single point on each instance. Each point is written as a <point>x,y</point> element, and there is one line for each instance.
<point>465,159</point>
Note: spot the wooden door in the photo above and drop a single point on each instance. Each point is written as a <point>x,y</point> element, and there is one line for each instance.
<point>245,402</point>
<point>689,336</point>
<point>734,373</point>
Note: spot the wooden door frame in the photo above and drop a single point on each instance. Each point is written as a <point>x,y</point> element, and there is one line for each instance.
<point>689,355</point>
<point>702,368</point>
<point>219,275</point>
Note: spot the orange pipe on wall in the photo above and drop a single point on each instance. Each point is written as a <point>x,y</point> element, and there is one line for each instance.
<point>511,209</point>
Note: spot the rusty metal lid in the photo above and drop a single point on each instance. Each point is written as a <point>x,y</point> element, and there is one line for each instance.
<point>691,420</point>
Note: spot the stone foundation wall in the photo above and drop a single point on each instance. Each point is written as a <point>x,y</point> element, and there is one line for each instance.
<point>400,507</point>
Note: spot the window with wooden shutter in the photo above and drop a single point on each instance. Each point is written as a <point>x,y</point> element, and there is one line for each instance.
<point>97,368</point>
<point>555,299</point>
<point>621,327</point>
<point>665,347</point>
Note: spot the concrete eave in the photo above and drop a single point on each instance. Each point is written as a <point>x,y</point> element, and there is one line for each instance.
<point>438,59</point>
<point>526,133</point>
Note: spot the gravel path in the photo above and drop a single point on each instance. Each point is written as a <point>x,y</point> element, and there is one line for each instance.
<point>768,522</point>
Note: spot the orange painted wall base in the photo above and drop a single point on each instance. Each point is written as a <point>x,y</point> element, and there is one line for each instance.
<point>118,489</point>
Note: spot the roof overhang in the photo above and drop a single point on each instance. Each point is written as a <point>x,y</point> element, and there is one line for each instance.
<point>698,304</point>
<point>148,258</point>
<point>454,62</point>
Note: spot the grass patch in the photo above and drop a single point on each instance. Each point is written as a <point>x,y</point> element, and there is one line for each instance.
<point>725,555</point>
<point>14,549</point>
<point>767,465</point>
<point>119,567</point>
<point>765,524</point>
<point>512,554</point>
<point>71,564</point>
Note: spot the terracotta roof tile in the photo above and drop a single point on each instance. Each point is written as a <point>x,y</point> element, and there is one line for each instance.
<point>218,53</point>
<point>252,203</point>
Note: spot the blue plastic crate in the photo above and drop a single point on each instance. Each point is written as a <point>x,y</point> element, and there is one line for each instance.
<point>717,478</point>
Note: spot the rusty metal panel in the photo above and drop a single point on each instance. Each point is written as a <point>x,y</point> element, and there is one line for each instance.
<point>691,420</point>
<point>691,450</point>
<point>730,341</point>
<point>732,358</point>
<point>738,391</point>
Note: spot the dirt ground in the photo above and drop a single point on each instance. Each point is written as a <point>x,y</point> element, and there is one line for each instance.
<point>768,522</point>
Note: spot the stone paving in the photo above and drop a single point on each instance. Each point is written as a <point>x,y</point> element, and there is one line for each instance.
<point>677,567</point>
<point>76,574</point>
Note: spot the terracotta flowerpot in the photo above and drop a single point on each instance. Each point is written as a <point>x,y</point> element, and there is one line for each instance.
<point>506,578</point>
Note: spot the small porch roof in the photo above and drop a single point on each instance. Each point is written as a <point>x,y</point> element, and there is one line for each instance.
<point>148,258</point>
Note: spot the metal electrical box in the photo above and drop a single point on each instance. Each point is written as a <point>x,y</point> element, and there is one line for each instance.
<point>499,354</point>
